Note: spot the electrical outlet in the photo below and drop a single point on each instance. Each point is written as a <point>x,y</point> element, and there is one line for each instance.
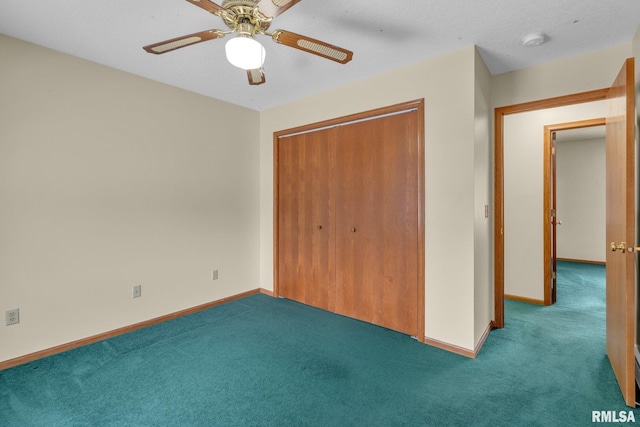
<point>13,316</point>
<point>214,274</point>
<point>137,291</point>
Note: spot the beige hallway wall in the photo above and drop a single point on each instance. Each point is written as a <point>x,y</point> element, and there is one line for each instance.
<point>581,200</point>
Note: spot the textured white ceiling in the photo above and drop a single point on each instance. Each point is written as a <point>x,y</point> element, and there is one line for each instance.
<point>382,34</point>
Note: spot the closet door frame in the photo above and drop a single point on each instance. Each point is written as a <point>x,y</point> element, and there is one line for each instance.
<point>416,105</point>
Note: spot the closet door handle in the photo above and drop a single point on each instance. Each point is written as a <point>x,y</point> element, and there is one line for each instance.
<point>353,230</point>
<point>319,227</point>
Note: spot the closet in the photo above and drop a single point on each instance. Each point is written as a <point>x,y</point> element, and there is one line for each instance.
<point>349,221</point>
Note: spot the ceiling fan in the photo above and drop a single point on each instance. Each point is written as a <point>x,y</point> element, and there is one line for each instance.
<point>248,18</point>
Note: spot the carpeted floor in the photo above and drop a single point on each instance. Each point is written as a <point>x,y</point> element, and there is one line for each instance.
<point>266,361</point>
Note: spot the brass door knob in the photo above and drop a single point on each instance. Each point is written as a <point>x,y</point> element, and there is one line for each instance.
<point>621,247</point>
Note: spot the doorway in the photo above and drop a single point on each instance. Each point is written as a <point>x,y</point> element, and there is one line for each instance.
<point>521,214</point>
<point>499,242</point>
<point>583,207</point>
<point>620,214</point>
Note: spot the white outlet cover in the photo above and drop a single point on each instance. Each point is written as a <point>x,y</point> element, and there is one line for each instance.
<point>12,316</point>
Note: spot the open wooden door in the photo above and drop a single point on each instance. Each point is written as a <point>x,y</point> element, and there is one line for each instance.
<point>620,170</point>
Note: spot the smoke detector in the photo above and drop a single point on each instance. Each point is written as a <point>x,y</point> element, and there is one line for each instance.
<point>533,39</point>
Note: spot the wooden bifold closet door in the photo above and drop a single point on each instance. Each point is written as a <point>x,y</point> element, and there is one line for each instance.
<point>348,219</point>
<point>307,219</point>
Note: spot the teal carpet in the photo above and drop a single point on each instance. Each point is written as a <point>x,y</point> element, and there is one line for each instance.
<point>265,361</point>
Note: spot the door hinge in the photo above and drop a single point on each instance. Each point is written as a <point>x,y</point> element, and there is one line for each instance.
<point>553,213</point>
<point>553,275</point>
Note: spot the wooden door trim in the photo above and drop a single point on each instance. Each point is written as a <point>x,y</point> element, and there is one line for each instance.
<point>418,106</point>
<point>421,213</point>
<point>499,113</point>
<point>546,204</point>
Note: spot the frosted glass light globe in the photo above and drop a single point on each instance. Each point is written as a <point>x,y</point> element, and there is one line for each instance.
<point>245,53</point>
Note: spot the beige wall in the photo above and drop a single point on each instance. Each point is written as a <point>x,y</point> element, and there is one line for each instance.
<point>581,199</point>
<point>447,84</point>
<point>635,50</point>
<point>582,73</point>
<point>483,195</point>
<point>109,180</point>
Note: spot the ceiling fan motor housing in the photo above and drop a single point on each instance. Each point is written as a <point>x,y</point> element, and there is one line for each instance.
<point>237,13</point>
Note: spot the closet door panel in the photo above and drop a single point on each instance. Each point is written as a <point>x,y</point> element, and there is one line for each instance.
<point>377,214</point>
<point>397,304</point>
<point>306,221</point>
<point>358,225</point>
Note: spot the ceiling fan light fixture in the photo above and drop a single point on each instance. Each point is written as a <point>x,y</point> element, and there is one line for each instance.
<point>246,18</point>
<point>245,52</point>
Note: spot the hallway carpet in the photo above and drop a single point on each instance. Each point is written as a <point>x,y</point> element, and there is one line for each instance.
<point>271,362</point>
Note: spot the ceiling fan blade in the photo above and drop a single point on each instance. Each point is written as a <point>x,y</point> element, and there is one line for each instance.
<point>314,46</point>
<point>256,76</point>
<point>178,42</point>
<point>207,5</point>
<point>275,7</point>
